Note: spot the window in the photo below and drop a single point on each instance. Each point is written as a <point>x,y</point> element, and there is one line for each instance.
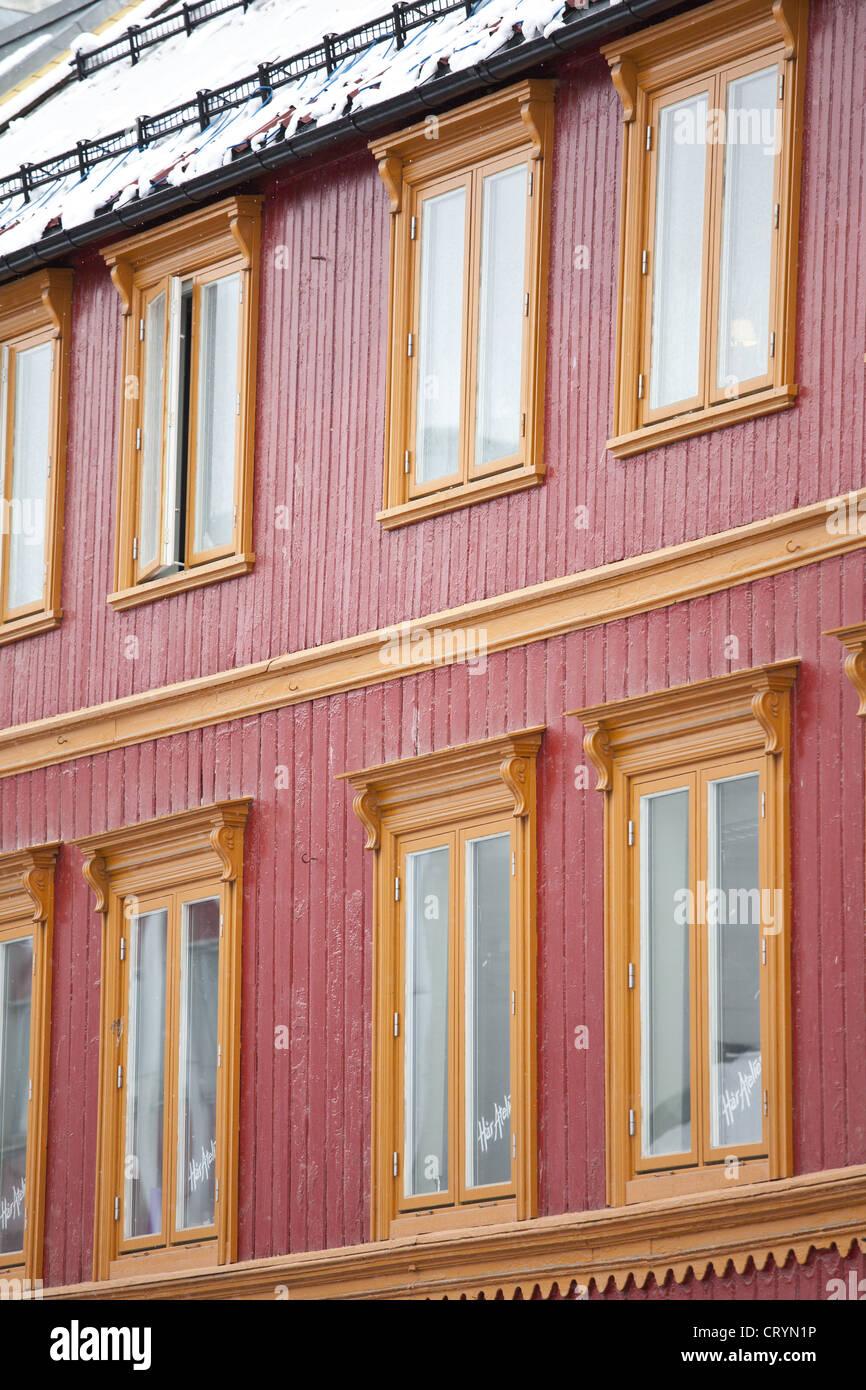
<point>170,894</point>
<point>713,116</point>
<point>696,934</point>
<point>470,208</point>
<point>26,923</point>
<point>189,294</point>
<point>34,375</point>
<point>454,1076</point>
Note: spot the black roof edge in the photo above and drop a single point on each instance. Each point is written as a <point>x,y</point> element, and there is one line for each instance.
<point>588,25</point>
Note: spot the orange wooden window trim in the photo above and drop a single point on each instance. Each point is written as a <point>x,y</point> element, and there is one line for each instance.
<point>199,852</point>
<point>512,125</point>
<point>492,779</point>
<point>744,716</point>
<point>219,240</point>
<point>27,909</point>
<point>702,44</point>
<point>37,310</point>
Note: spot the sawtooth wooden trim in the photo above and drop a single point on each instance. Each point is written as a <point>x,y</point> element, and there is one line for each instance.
<point>603,595</point>
<point>702,1233</point>
<point>27,909</point>
<point>203,846</point>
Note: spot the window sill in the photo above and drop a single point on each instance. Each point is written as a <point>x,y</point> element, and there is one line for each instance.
<point>702,421</point>
<point>230,567</point>
<point>685,1182</point>
<point>175,1259</point>
<point>482,490</point>
<point>454,1218</point>
<point>29,626</point>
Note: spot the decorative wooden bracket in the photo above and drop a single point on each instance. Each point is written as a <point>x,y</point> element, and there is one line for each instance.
<point>391,174</point>
<point>514,772</point>
<point>854,640</point>
<point>55,301</point>
<point>787,15</point>
<point>366,808</point>
<point>624,75</point>
<point>37,879</point>
<point>597,746</point>
<point>243,228</point>
<point>532,114</point>
<point>228,846</point>
<point>121,279</point>
<point>96,876</point>
<point>769,710</point>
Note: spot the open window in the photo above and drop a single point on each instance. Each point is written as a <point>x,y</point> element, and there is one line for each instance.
<point>26,923</point>
<point>189,295</point>
<point>34,376</point>
<point>710,203</point>
<point>454,1081</point>
<point>696,932</point>
<point>470,210</point>
<point>170,894</point>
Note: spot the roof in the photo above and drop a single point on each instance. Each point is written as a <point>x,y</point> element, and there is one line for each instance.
<point>34,34</point>
<point>212,92</point>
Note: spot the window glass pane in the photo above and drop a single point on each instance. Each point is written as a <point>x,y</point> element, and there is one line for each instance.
<point>16,975</point>
<point>216,417</point>
<point>26,520</point>
<point>440,325</point>
<point>197,1087</point>
<point>145,1064</point>
<point>678,254</point>
<point>488,1010</point>
<point>151,433</point>
<point>425,1160</point>
<point>664,974</point>
<point>747,228</point>
<point>734,926</point>
<point>501,317</point>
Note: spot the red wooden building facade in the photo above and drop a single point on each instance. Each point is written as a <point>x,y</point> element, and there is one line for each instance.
<point>611,576</point>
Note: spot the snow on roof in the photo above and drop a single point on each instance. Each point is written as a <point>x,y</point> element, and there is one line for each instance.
<point>227,48</point>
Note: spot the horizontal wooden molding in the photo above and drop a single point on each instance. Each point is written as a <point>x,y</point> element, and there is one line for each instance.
<point>639,584</point>
<point>702,1232</point>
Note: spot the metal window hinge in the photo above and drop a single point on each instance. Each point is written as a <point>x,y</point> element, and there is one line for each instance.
<point>119,1077</point>
<point>45,574</point>
<point>413,228</point>
<point>30,1088</point>
<point>526,303</point>
<point>631,832</point>
<point>123,948</point>
<point>241,300</point>
<point>396,890</point>
<point>514,1001</point>
<point>235,517</point>
<point>772,345</point>
<point>644,261</point>
<point>781,85</point>
<point>138,438</point>
<point>514,1146</point>
<point>649,137</point>
<point>631,974</point>
<point>25,1218</point>
<point>238,403</point>
<point>640,386</point>
<point>216,1194</point>
<point>411,345</point>
<point>763,805</point>
<point>766,1103</point>
<point>523,424</point>
<point>135,548</point>
<point>776,211</point>
<point>513,865</point>
<point>531,184</point>
<point>406,461</point>
<point>52,357</point>
<point>631,1122</point>
<point>394,1163</point>
<point>219,1054</point>
<point>117,1208</point>
<point>141,330</point>
<point>764,950</point>
<point>221,924</point>
<point>396,1024</point>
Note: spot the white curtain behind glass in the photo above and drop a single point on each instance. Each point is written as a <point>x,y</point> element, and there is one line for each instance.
<point>440,324</point>
<point>501,318</point>
<point>29,475</point>
<point>215,422</point>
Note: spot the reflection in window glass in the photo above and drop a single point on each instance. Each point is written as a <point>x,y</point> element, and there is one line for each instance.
<point>426,1054</point>
<point>216,418</point>
<point>734,925</point>
<point>747,228</point>
<point>197,1065</point>
<point>16,974</point>
<point>501,317</point>
<point>440,328</point>
<point>30,447</point>
<point>142,1206</point>
<point>664,975</point>
<point>488,1011</point>
<point>679,243</point>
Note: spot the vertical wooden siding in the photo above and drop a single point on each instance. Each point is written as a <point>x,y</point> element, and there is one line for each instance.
<point>324,568</point>
<point>305,1121</point>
